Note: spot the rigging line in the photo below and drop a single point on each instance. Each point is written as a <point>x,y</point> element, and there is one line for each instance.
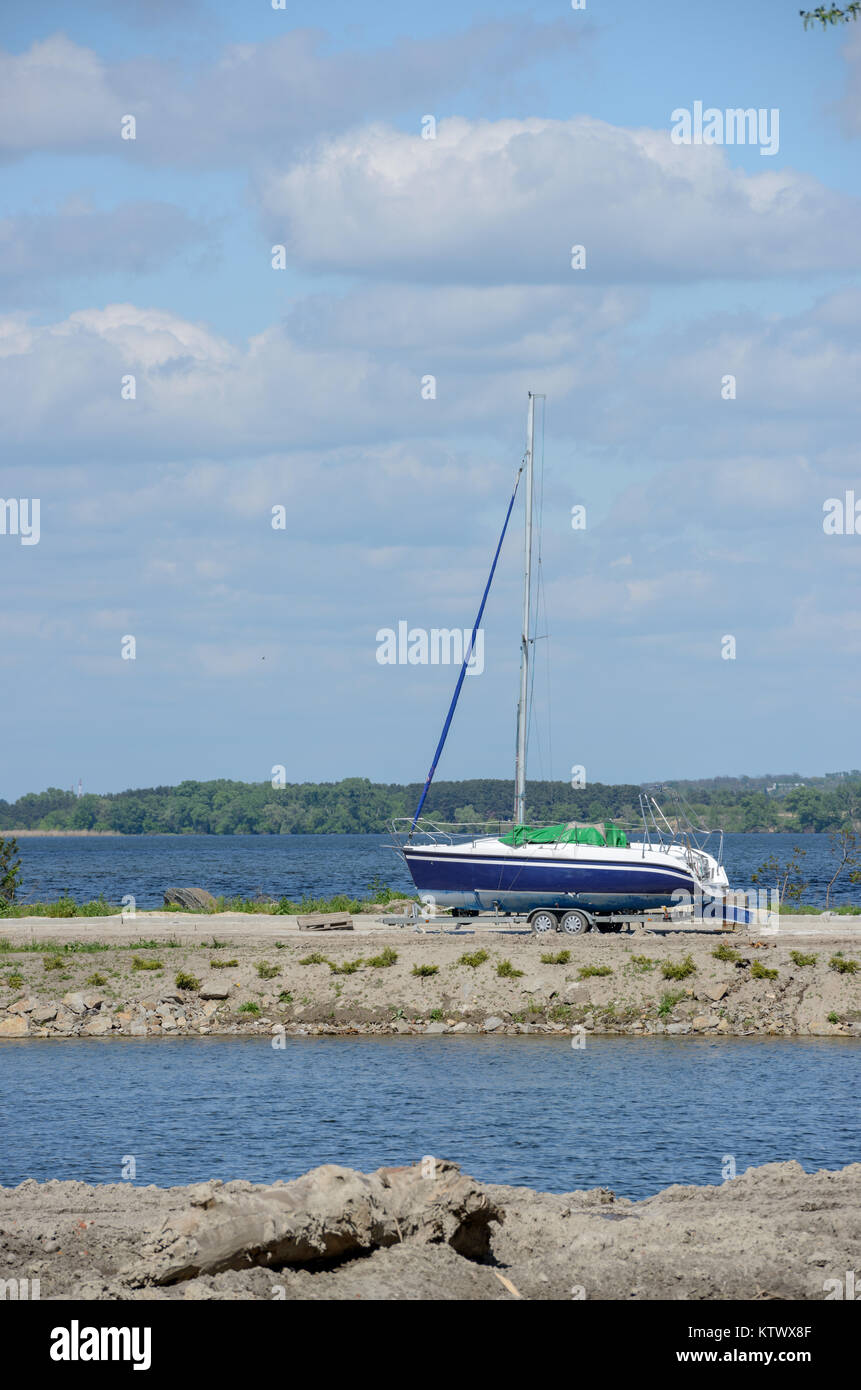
<point>466,657</point>
<point>540,597</point>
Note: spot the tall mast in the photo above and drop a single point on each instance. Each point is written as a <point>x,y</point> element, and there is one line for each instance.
<point>523,702</point>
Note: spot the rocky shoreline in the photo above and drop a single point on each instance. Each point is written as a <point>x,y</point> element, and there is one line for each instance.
<point>164,978</point>
<point>430,1232</point>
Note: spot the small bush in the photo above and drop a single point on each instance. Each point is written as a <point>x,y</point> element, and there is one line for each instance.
<point>53,962</point>
<point>678,970</point>
<point>559,1013</point>
<point>587,970</point>
<point>15,980</point>
<point>424,970</point>
<point>266,971</point>
<point>140,963</point>
<point>384,959</point>
<point>96,979</point>
<point>184,980</point>
<point>506,970</point>
<point>669,1000</point>
<point>249,1007</point>
<point>724,952</point>
<point>436,1015</point>
<point>762,972</point>
<point>843,967</point>
<point>347,967</point>
<point>833,1017</point>
<point>642,963</point>
<point>223,964</point>
<point>475,960</point>
<point>285,997</point>
<point>799,958</point>
<point>315,958</point>
<point>561,958</point>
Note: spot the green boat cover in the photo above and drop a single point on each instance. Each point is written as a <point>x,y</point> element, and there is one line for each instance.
<point>565,835</point>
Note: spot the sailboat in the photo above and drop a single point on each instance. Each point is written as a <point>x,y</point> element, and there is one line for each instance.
<point>567,877</point>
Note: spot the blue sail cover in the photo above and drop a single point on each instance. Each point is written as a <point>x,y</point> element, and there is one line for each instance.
<point>466,659</point>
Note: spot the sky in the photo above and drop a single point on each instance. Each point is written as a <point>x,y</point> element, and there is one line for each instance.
<point>427,171</point>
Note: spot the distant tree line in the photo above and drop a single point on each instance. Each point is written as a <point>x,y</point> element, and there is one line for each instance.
<point>358,805</point>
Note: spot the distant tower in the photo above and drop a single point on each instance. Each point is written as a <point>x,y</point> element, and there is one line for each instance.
<point>80,787</point>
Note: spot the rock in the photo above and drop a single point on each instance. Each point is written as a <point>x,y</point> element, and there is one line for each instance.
<point>171,997</point>
<point>124,1016</point>
<point>574,994</point>
<point>401,1027</point>
<point>22,1006</point>
<point>45,1013</point>
<point>209,1009</point>
<point>700,1022</point>
<point>75,1003</point>
<point>16,1027</point>
<point>461,1028</point>
<point>492,1023</point>
<point>165,1011</point>
<point>678,1027</point>
<point>97,1027</point>
<point>436,1028</point>
<point>138,1030</point>
<point>213,989</point>
<point>716,992</point>
<point>331,1212</point>
<point>724,1026</point>
<point>197,899</point>
<point>94,1001</point>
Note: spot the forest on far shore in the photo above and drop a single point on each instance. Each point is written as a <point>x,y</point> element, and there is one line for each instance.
<point>357,805</point>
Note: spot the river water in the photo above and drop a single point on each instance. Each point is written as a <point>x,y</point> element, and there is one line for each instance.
<point>294,865</point>
<point>631,1114</point>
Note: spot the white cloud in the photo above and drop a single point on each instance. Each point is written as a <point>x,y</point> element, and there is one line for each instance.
<point>504,201</point>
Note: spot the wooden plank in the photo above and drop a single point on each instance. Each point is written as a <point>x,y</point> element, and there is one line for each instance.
<point>326,921</point>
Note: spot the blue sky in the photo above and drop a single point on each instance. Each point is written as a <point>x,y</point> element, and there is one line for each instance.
<point>405,257</point>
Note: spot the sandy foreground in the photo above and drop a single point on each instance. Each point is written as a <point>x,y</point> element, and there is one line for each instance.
<point>252,974</point>
<point>773,1232</point>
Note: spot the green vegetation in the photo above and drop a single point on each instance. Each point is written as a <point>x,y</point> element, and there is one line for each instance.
<point>424,970</point>
<point>139,963</point>
<point>762,972</point>
<point>833,1017</point>
<point>14,979</point>
<point>561,958</point>
<point>678,970</point>
<point>10,870</point>
<point>834,14</point>
<point>315,958</point>
<point>506,970</point>
<point>843,967</point>
<point>96,979</point>
<point>62,907</point>
<point>223,964</point>
<point>285,997</point>
<point>799,958</point>
<point>347,967</point>
<point>475,960</point>
<point>184,980</point>
<point>267,971</point>
<point>53,962</point>
<point>725,952</point>
<point>436,1015</point>
<point>588,970</point>
<point>559,1013</point>
<point>384,959</point>
<point>642,964</point>
<point>774,802</point>
<point>847,910</point>
<point>249,1007</point>
<point>669,1000</point>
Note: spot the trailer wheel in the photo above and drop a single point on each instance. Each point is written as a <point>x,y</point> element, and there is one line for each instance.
<point>575,922</point>
<point>542,920</point>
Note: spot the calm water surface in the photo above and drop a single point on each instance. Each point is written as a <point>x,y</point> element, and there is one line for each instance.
<point>295,865</point>
<point>632,1114</point>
